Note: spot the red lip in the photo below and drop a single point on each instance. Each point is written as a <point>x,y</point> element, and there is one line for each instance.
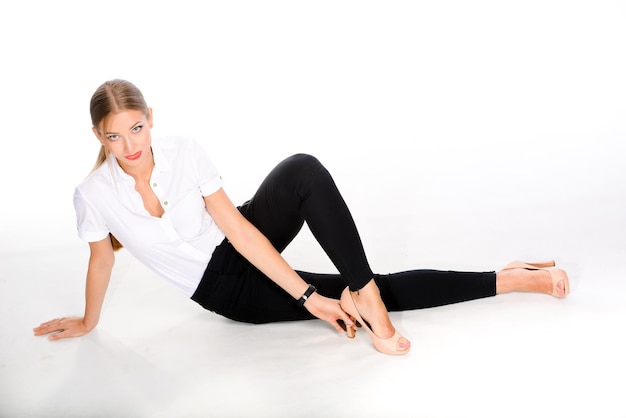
<point>134,156</point>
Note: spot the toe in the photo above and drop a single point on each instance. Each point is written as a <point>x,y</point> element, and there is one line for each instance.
<point>403,344</point>
<point>560,288</point>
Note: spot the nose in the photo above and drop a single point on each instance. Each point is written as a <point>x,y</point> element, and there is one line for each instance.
<point>127,144</point>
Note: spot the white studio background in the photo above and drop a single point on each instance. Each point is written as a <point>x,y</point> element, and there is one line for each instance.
<point>461,133</point>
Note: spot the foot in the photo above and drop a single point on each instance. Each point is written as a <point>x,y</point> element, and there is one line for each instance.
<point>532,280</point>
<point>372,309</point>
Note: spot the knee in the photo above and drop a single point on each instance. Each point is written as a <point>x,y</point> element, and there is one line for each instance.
<point>301,169</point>
<point>305,160</point>
<point>305,163</point>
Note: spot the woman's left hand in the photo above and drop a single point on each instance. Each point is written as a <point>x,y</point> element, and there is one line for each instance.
<point>329,310</point>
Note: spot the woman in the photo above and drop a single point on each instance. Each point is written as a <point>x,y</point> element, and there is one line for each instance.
<point>164,201</point>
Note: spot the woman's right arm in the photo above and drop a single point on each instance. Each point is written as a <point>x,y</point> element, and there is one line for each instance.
<point>99,270</point>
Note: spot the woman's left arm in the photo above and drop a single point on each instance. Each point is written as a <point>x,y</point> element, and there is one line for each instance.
<point>257,249</point>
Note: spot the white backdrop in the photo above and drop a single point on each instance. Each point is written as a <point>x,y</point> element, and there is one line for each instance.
<point>479,131</point>
<point>462,134</point>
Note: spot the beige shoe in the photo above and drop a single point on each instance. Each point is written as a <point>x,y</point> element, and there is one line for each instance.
<point>557,275</point>
<point>384,345</point>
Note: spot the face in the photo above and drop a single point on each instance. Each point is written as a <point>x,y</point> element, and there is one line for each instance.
<point>126,135</point>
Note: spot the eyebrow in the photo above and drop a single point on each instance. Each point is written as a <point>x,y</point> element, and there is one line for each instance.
<point>132,127</point>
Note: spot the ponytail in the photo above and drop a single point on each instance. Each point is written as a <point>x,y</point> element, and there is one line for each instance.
<point>115,243</point>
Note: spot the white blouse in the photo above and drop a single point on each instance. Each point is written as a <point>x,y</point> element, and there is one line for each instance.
<point>177,246</point>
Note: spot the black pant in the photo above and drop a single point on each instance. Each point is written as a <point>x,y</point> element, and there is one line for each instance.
<point>301,190</point>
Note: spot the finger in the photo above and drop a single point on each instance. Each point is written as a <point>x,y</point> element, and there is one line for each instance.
<point>40,331</point>
<point>347,319</point>
<point>337,325</point>
<point>59,333</point>
<point>47,323</point>
<point>46,328</point>
<point>58,336</point>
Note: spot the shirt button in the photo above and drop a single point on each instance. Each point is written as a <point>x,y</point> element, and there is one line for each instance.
<point>154,184</point>
<point>165,203</point>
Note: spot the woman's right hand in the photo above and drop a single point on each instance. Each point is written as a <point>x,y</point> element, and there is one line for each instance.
<point>329,310</point>
<point>63,328</point>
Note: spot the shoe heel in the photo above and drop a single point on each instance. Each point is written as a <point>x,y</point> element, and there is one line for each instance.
<point>533,265</point>
<point>543,264</point>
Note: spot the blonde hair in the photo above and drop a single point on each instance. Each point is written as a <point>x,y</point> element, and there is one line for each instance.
<point>112,97</point>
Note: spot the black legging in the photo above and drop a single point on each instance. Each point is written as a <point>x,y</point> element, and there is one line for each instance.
<point>301,190</point>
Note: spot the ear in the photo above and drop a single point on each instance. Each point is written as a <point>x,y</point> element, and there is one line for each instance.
<point>97,134</point>
<point>150,117</point>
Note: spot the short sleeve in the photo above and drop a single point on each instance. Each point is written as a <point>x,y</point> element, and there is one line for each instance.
<point>209,179</point>
<point>91,227</point>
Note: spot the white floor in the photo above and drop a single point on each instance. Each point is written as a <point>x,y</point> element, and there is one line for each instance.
<point>156,354</point>
<point>463,135</point>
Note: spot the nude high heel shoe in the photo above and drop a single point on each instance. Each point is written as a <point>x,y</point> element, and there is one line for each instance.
<point>384,345</point>
<point>557,275</point>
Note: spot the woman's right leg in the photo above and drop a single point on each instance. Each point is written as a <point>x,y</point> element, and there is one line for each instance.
<point>298,190</point>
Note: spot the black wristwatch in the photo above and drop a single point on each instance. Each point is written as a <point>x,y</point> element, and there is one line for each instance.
<point>306,295</point>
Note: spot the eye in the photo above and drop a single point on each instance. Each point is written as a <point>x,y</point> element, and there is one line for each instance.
<point>113,137</point>
<point>137,129</point>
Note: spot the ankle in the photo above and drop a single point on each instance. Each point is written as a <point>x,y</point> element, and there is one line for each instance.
<point>373,310</point>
